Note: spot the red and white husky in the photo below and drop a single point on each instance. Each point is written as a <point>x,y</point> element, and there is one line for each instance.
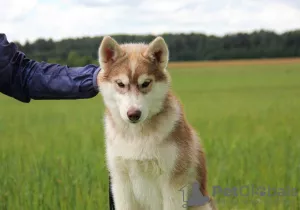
<point>152,151</point>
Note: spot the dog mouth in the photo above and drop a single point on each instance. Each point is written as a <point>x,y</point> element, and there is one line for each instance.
<point>134,121</point>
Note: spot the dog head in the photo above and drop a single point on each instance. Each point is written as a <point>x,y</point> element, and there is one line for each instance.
<point>133,81</point>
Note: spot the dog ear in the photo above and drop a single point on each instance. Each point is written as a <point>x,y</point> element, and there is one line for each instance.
<point>158,52</point>
<point>109,50</point>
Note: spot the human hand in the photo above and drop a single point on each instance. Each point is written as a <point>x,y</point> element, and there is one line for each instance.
<point>98,79</point>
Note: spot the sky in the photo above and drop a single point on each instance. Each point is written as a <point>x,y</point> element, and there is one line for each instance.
<point>29,20</point>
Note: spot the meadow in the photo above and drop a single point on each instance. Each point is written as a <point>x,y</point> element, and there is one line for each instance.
<point>247,113</point>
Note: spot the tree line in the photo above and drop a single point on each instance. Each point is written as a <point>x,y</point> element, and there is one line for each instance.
<point>183,47</point>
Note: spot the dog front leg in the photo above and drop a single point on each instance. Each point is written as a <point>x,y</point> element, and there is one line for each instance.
<point>173,198</point>
<point>122,193</point>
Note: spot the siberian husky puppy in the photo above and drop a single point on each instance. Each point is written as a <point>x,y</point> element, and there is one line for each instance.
<point>152,151</point>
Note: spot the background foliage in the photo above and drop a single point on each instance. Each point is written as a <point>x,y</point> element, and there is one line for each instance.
<point>183,47</point>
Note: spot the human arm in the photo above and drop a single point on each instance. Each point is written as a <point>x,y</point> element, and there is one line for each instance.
<point>25,79</point>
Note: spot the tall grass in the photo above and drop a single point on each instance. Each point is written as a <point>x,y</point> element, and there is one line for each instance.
<point>52,152</point>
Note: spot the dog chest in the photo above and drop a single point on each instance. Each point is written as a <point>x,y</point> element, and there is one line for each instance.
<point>145,157</point>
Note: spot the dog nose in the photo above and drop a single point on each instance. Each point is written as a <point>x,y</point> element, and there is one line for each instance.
<point>134,114</point>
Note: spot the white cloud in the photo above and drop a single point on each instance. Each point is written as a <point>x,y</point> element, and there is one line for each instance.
<point>73,18</point>
<point>13,10</point>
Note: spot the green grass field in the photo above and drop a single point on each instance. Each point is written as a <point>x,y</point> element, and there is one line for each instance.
<point>248,116</point>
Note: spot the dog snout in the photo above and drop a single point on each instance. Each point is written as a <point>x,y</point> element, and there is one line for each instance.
<point>134,114</point>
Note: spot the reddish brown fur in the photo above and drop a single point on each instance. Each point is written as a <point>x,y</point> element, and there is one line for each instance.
<point>202,172</point>
<point>122,66</point>
<point>184,136</point>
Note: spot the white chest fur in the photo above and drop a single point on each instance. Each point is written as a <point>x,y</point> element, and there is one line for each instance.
<point>144,155</point>
<point>130,143</point>
<point>140,166</point>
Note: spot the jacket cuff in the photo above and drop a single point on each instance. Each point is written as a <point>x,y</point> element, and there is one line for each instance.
<point>95,83</point>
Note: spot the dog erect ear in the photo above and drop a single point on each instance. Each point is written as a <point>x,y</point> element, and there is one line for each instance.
<point>109,50</point>
<point>158,52</point>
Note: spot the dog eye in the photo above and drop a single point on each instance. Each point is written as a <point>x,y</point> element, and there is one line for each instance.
<point>146,84</point>
<point>120,84</point>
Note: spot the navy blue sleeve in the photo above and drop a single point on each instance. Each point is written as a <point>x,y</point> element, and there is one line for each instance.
<point>25,79</point>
